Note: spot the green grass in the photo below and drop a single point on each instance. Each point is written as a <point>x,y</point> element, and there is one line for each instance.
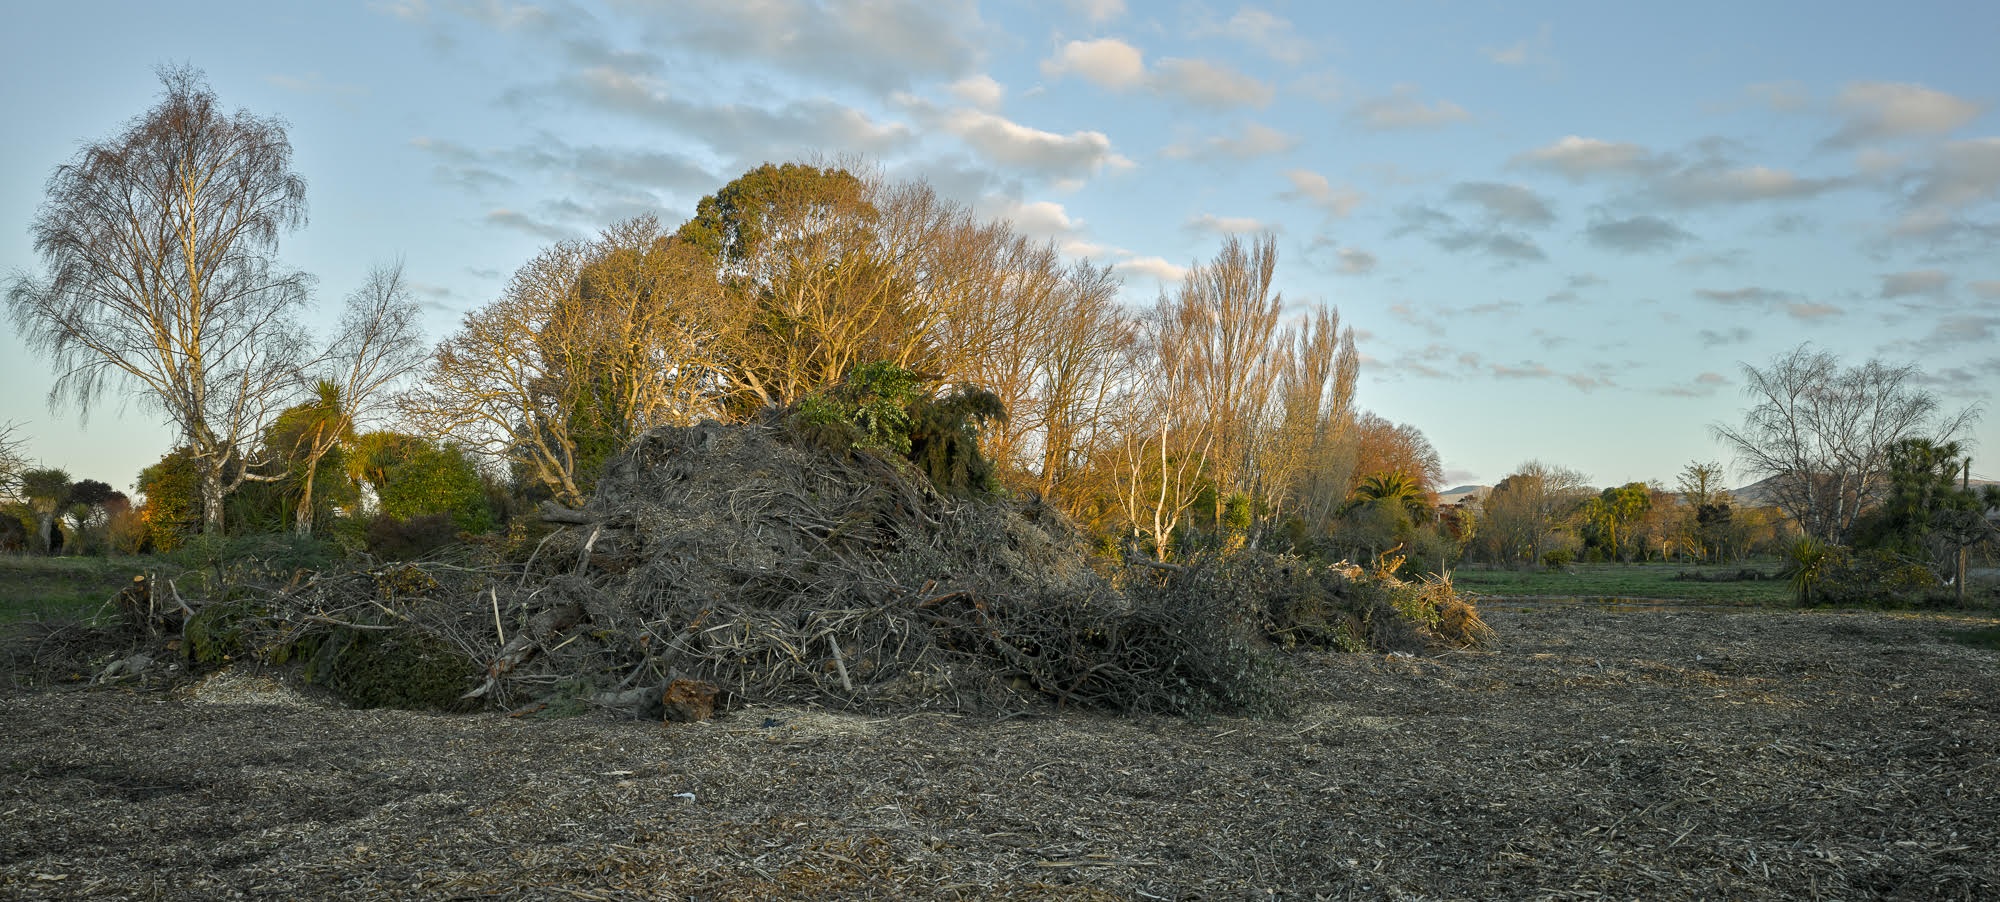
<point>39,588</point>
<point>1626,581</point>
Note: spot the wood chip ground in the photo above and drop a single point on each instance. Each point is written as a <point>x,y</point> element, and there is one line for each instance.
<point>1669,753</point>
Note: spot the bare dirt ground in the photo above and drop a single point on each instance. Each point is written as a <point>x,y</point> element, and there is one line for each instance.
<point>1657,754</point>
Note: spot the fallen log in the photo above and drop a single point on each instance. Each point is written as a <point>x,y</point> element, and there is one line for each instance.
<point>556,513</point>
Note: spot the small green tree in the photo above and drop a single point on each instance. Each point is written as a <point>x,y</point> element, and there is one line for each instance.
<point>426,478</point>
<point>1612,513</point>
<point>172,508</point>
<point>883,408</point>
<point>1808,561</point>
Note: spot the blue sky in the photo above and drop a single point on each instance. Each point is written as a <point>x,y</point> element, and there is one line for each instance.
<point>1557,228</point>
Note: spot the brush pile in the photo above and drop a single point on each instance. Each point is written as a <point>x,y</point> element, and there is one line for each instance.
<point>746,561</point>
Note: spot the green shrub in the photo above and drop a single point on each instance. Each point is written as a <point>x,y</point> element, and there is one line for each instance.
<point>391,539</point>
<point>404,668</point>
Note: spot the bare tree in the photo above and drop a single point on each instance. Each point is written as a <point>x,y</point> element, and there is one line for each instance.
<point>1821,433</point>
<point>378,345</point>
<point>1530,511</point>
<point>161,280</point>
<point>592,344</point>
<point>1167,444</point>
<point>1306,455</point>
<point>1226,316</point>
<point>13,462</point>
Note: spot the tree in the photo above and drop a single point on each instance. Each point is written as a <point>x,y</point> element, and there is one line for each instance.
<point>379,343</point>
<point>829,266</point>
<point>1529,512</point>
<point>161,280</point>
<point>419,478</point>
<point>1307,454</point>
<point>1384,447</point>
<point>1614,512</point>
<point>90,505</point>
<point>47,490</point>
<point>1923,482</point>
<point>1167,440</point>
<point>592,344</point>
<point>12,461</point>
<point>172,486</point>
<point>1225,317</point>
<point>1821,433</point>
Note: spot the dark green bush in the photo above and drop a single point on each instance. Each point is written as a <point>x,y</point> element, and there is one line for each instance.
<point>393,539</point>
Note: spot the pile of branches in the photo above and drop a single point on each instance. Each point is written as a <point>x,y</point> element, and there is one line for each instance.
<point>762,565</point>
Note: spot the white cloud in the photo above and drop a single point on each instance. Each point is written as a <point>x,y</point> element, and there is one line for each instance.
<point>1810,312</point>
<point>1005,141</point>
<point>1747,296</point>
<point>1209,84</point>
<point>1877,111</point>
<point>1256,140</point>
<point>979,90</point>
<point>1107,62</point>
<point>1313,188</point>
<point>1964,173</point>
<point>1097,10</point>
<point>1578,158</point>
<point>1962,176</point>
<point>1703,386</point>
<point>1401,108</point>
<point>1715,185</point>
<point>1040,219</point>
<point>406,10</point>
<point>1275,35</point>
<point>1157,267</point>
<point>1226,225</point>
<point>1986,288</point>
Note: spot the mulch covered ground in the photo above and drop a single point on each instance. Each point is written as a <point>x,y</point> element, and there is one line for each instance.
<point>1657,754</point>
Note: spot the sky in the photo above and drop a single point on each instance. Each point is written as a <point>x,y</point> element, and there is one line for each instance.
<point>1559,230</point>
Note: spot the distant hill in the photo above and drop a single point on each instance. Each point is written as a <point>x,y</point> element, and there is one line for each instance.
<point>1460,493</point>
<point>1759,493</point>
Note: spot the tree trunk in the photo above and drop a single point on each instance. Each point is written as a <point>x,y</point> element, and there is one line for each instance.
<point>211,499</point>
<point>302,520</point>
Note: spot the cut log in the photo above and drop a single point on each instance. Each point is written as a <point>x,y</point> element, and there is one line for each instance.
<point>556,513</point>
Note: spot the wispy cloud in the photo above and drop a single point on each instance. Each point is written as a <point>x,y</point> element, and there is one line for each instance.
<point>1637,235</point>
<point>1309,186</point>
<point>1404,109</point>
<point>1879,111</point>
<point>1254,140</point>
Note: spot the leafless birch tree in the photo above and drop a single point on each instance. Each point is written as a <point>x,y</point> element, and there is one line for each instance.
<point>1822,433</point>
<point>161,280</point>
